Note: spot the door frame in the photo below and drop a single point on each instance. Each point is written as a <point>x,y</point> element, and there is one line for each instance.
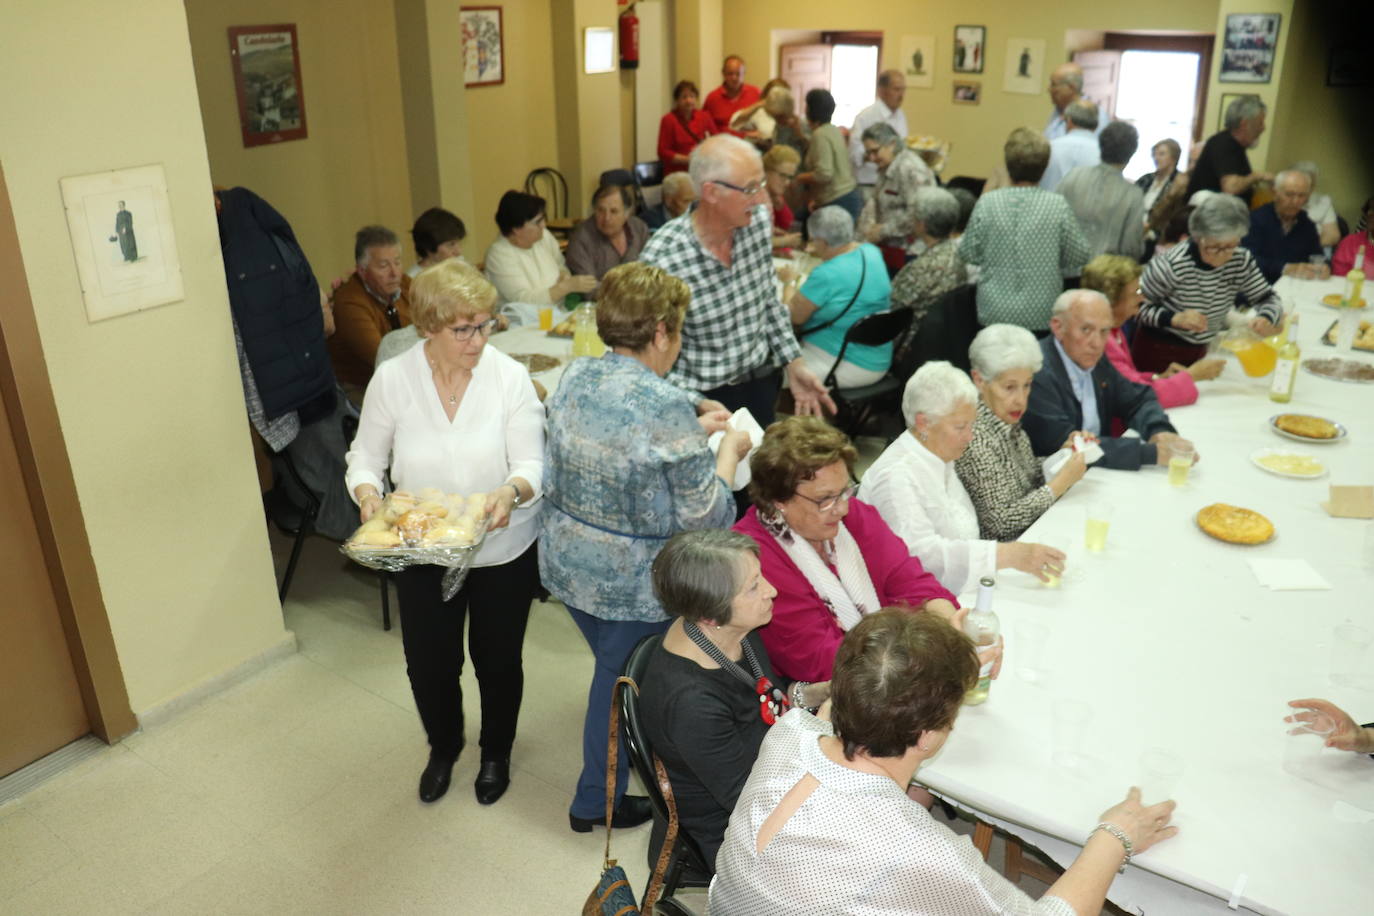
<point>48,484</point>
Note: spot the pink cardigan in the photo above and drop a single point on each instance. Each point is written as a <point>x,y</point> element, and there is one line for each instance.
<point>1175,391</point>
<point>803,635</point>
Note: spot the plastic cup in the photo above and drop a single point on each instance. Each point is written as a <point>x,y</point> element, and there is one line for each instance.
<point>1160,771</point>
<point>1350,665</point>
<point>1028,651</point>
<point>1071,721</point>
<point>1180,463</point>
<point>1099,520</point>
<point>1059,544</point>
<point>1305,740</point>
<point>545,317</point>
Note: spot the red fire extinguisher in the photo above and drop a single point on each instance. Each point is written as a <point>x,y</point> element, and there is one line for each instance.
<point>629,40</point>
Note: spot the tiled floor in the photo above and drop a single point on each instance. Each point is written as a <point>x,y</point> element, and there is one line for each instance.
<point>294,792</point>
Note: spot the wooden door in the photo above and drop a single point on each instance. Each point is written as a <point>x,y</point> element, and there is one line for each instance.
<point>805,67</point>
<point>1101,70</point>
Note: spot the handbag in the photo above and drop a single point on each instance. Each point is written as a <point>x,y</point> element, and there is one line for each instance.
<point>613,895</point>
<point>863,275</point>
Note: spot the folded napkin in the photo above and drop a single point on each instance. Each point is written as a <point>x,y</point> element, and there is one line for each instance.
<point>740,419</point>
<point>1287,575</point>
<point>1092,452</point>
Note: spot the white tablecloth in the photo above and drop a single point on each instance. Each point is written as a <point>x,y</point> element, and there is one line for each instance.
<point>1173,643</point>
<point>533,340</point>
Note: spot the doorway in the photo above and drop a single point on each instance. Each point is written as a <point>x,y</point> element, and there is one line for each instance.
<point>843,63</point>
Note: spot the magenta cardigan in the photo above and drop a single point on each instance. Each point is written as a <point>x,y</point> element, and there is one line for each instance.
<point>803,635</point>
<point>1175,391</point>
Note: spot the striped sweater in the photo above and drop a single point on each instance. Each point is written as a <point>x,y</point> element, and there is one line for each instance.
<point>1179,281</point>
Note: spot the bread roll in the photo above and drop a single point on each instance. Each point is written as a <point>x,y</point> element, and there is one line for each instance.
<point>385,538</point>
<point>413,525</point>
<point>433,507</point>
<point>376,523</point>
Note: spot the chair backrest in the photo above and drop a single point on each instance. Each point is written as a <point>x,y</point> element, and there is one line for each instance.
<point>549,184</point>
<point>973,185</point>
<point>871,331</point>
<point>648,174</point>
<point>948,328</point>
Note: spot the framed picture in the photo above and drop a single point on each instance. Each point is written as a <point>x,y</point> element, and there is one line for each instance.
<point>120,224</point>
<point>918,61</point>
<point>1247,51</point>
<point>967,92</point>
<point>1349,65</point>
<point>598,50</point>
<point>1025,64</point>
<point>969,48</point>
<point>267,78</point>
<point>484,48</point>
<point>1226,99</point>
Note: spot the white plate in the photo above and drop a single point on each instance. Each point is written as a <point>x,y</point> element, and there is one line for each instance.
<point>1257,454</point>
<point>1341,432</point>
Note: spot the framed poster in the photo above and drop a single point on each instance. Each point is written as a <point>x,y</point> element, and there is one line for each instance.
<point>120,224</point>
<point>918,61</point>
<point>1247,52</point>
<point>967,92</point>
<point>484,48</point>
<point>969,48</point>
<point>267,79</point>
<point>1025,63</point>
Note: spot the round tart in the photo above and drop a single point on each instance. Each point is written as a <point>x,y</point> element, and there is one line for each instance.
<point>1306,426</point>
<point>1234,525</point>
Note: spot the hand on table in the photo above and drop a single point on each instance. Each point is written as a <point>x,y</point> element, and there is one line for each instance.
<point>1189,320</point>
<point>1166,444</point>
<point>1205,369</point>
<point>1348,736</point>
<point>1145,826</point>
<point>810,394</point>
<point>1307,271</point>
<point>1040,560</point>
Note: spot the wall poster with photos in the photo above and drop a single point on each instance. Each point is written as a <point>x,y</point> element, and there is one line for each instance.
<point>267,79</point>
<point>1247,53</point>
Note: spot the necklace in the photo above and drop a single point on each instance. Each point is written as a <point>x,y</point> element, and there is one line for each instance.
<point>772,701</point>
<point>452,396</point>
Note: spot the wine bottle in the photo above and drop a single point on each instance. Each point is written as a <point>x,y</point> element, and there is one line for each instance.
<point>1286,369</point>
<point>1354,282</point>
<point>981,626</point>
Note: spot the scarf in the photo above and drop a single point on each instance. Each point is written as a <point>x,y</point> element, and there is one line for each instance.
<point>850,595</point>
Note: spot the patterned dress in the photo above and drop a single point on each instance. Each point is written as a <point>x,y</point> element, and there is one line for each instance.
<point>1003,478</point>
<point>933,273</point>
<point>893,205</point>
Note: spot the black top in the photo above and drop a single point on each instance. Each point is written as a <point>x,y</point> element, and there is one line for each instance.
<point>1221,155</point>
<point>704,724</point>
<point>1275,249</point>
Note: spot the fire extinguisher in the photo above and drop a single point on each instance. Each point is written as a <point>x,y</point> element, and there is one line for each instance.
<point>629,40</point>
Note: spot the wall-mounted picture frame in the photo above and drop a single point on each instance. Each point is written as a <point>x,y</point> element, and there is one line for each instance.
<point>267,80</point>
<point>1025,66</point>
<point>484,45</point>
<point>1247,50</point>
<point>967,92</point>
<point>918,61</point>
<point>598,50</point>
<point>1226,99</point>
<point>970,48</point>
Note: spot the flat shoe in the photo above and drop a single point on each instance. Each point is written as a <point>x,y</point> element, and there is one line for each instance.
<point>435,779</point>
<point>492,780</point>
<point>632,811</point>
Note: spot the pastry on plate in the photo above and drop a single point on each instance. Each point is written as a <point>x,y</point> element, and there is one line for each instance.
<point>1234,524</point>
<point>1334,300</point>
<point>1308,427</point>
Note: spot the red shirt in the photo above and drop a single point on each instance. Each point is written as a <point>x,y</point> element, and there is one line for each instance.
<point>782,218</point>
<point>674,137</point>
<point>722,108</point>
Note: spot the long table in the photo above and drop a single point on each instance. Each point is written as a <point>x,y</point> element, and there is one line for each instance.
<point>1172,642</point>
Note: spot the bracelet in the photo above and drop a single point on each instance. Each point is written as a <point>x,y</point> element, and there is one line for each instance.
<point>1120,835</point>
<point>797,694</point>
<point>372,495</point>
<point>518,498</point>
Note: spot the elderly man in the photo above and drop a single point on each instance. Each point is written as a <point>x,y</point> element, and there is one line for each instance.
<point>1078,146</point>
<point>678,195</point>
<point>1077,388</point>
<point>1223,164</point>
<point>886,110</point>
<point>373,302</point>
<point>1283,238</point>
<point>1066,87</point>
<point>613,236</point>
<point>731,95</point>
<point>1110,209</point>
<point>737,334</point>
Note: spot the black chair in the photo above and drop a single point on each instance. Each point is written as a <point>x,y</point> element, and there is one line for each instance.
<point>648,184</point>
<point>973,185</point>
<point>687,865</point>
<point>309,513</point>
<point>856,405</point>
<point>674,907</point>
<point>948,329</point>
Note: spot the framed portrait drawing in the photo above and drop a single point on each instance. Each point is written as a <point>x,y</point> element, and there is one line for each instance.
<point>967,92</point>
<point>1025,66</point>
<point>267,79</point>
<point>484,48</point>
<point>969,48</point>
<point>918,61</point>
<point>1247,52</point>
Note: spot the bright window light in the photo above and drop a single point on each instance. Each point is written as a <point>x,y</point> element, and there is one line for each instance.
<point>853,81</point>
<point>1157,92</point>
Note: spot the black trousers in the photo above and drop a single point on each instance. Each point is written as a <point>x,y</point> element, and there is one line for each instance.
<point>496,601</point>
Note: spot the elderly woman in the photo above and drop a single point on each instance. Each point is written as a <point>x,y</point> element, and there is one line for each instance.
<point>938,269</point>
<point>1165,188</point>
<point>438,235</point>
<point>827,816</point>
<point>755,122</point>
<point>847,285</point>
<point>1025,240</point>
<point>913,485</point>
<point>613,236</point>
<point>828,175</point>
<point>1003,478</point>
<point>628,467</point>
<point>710,693</point>
<point>888,218</point>
<point>680,130</point>
<point>788,130</point>
<point>1190,291</point>
<point>1118,278</point>
<point>831,558</point>
<point>448,396</point>
<point>525,264</point>
<point>780,166</point>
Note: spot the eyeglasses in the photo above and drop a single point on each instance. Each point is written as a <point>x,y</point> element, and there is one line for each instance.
<point>1214,249</point>
<point>748,190</point>
<point>872,152</point>
<point>825,505</point>
<point>465,331</point>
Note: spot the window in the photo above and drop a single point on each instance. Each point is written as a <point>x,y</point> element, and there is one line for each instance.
<point>853,78</point>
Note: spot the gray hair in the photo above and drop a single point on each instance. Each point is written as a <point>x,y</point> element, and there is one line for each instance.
<point>674,181</point>
<point>1071,77</point>
<point>714,159</point>
<point>1221,216</point>
<point>1117,143</point>
<point>1065,303</point>
<point>938,209</point>
<point>370,237</point>
<point>1243,109</point>
<point>832,225</point>
<point>697,574</point>
<point>1308,168</point>
<point>779,102</point>
<point>1002,347</point>
<point>885,78</point>
<point>882,134</point>
<point>1081,113</point>
<point>1286,174</point>
<point>935,390</point>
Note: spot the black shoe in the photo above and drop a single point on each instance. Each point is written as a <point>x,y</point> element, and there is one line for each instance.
<point>434,780</point>
<point>632,811</point>
<point>492,780</point>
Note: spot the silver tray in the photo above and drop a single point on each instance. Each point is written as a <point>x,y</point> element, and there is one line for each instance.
<point>1333,378</point>
<point>1341,432</point>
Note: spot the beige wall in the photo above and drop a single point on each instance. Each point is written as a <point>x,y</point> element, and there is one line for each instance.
<point>150,404</point>
<point>351,170</point>
<point>1268,92</point>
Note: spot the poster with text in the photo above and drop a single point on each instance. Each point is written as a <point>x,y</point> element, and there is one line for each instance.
<point>267,81</point>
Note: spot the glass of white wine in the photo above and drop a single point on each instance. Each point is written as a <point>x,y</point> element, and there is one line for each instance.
<point>1099,520</point>
<point>1180,463</point>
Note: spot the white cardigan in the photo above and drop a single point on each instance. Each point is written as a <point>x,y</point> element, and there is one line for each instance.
<point>524,274</point>
<point>497,434</point>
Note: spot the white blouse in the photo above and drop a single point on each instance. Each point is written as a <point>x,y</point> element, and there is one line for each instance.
<point>857,846</point>
<point>524,274</point>
<point>497,434</point>
<point>923,501</point>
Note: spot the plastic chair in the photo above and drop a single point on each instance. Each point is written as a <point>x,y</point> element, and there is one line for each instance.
<point>856,405</point>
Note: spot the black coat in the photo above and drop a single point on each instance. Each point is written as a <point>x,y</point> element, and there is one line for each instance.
<point>276,304</point>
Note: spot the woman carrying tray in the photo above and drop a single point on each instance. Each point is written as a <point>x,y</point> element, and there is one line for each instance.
<point>448,414</point>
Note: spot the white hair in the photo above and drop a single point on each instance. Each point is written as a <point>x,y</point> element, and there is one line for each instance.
<point>1295,172</point>
<point>935,390</point>
<point>999,348</point>
<point>714,159</point>
<point>832,225</point>
<point>1242,109</point>
<point>1068,297</point>
<point>674,181</point>
<point>1220,216</point>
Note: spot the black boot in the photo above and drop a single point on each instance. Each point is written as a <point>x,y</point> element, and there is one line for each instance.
<point>434,780</point>
<point>492,780</point>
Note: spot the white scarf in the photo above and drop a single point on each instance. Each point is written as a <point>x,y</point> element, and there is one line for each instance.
<point>850,596</point>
